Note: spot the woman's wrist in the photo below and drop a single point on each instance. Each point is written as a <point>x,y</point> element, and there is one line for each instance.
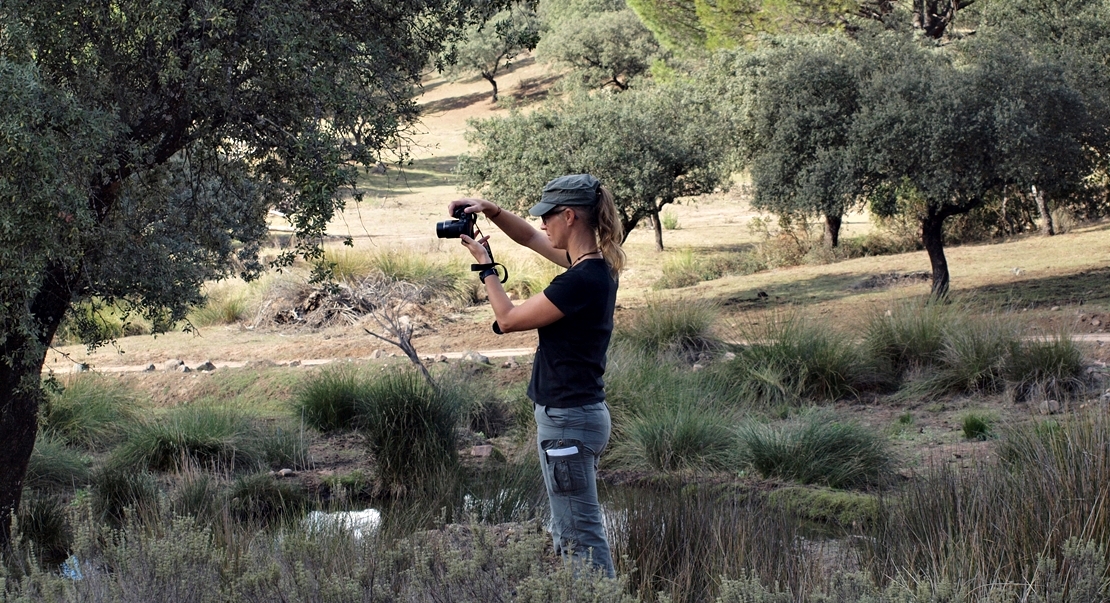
<point>494,214</point>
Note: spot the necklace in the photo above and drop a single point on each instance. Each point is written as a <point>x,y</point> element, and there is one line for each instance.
<point>583,255</point>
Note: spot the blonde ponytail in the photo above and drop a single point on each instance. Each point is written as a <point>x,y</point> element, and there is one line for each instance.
<point>610,232</point>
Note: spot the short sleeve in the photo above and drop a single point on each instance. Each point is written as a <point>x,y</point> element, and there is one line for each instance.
<point>570,292</point>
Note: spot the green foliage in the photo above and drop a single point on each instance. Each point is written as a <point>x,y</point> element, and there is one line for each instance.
<point>790,359</point>
<point>672,437</point>
<point>670,221</point>
<point>55,468</point>
<point>43,523</point>
<point>684,269</point>
<point>261,499</point>
<point>648,146</point>
<point>605,46</point>
<point>120,493</point>
<point>908,336</point>
<point>196,493</point>
<point>490,46</point>
<point>825,506</point>
<point>92,412</point>
<point>973,356</point>
<point>679,326</point>
<point>818,451</point>
<point>211,437</point>
<point>329,399</point>
<point>409,428</point>
<point>978,425</point>
<point>222,306</point>
<point>1047,368</point>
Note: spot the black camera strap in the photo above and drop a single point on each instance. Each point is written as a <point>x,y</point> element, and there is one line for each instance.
<point>491,265</point>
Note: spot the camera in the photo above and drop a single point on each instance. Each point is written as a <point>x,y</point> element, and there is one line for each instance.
<point>462,224</point>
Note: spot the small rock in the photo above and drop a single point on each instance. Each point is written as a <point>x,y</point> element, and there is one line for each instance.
<point>172,364</point>
<point>1054,308</point>
<point>1096,323</point>
<point>441,358</point>
<point>510,364</point>
<point>80,367</point>
<point>475,357</point>
<point>1049,407</point>
<point>207,366</point>
<point>697,367</point>
<point>150,368</point>
<point>377,354</point>
<point>294,363</point>
<point>286,473</point>
<point>181,368</point>
<point>729,356</point>
<point>482,451</point>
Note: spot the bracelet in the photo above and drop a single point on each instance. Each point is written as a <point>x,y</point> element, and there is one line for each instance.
<point>496,214</point>
<point>487,272</point>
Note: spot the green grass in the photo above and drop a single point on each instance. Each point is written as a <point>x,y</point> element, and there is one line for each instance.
<point>329,400</point>
<point>908,336</point>
<point>978,425</point>
<point>92,412</point>
<point>1045,368</point>
<point>670,438</point>
<point>680,326</point>
<point>409,428</point>
<point>121,493</point>
<point>261,499</point>
<point>685,268</point>
<point>211,437</point>
<point>222,306</point>
<point>42,522</point>
<point>54,467</point>
<point>818,450</point>
<point>669,220</point>
<point>790,360</point>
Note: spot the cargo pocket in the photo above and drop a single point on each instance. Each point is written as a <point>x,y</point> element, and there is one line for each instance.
<point>568,461</point>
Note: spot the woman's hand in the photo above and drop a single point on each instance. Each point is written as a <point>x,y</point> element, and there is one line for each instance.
<point>479,249</point>
<point>473,206</point>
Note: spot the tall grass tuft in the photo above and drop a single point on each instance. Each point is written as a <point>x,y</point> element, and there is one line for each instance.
<point>978,425</point>
<point>92,412</point>
<point>409,427</point>
<point>43,523</point>
<point>789,360</point>
<point>908,336</point>
<point>992,523</point>
<point>818,450</point>
<point>973,358</point>
<point>676,437</point>
<point>55,468</point>
<point>224,305</point>
<point>329,400</point>
<point>211,437</point>
<point>683,327</point>
<point>530,275</point>
<point>684,269</point>
<point>261,500</point>
<point>1045,368</point>
<point>119,493</point>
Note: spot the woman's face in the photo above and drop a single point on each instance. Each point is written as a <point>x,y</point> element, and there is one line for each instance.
<point>554,223</point>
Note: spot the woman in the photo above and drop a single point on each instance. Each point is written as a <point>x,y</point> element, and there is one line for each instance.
<point>574,317</point>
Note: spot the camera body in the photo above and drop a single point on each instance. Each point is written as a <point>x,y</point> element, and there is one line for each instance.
<point>462,224</point>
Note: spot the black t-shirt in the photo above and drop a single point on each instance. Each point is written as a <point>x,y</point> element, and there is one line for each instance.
<point>570,360</point>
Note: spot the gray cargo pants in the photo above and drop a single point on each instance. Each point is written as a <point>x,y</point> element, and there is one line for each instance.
<point>570,442</point>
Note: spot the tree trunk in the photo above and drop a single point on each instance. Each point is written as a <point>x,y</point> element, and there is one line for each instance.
<point>932,236</point>
<point>657,224</point>
<point>1047,228</point>
<point>21,360</point>
<point>492,82</point>
<point>832,230</point>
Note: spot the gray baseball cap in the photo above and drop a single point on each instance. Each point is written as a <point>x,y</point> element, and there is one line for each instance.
<point>575,189</point>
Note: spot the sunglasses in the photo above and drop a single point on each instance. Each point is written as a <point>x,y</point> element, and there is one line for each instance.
<point>558,210</point>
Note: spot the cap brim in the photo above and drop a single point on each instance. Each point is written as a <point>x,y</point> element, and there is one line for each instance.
<point>542,208</point>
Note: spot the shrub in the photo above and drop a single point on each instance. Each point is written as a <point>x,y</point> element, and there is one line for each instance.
<point>978,425</point>
<point>678,326</point>
<point>684,268</point>
<point>409,427</point>
<point>43,523</point>
<point>329,400</point>
<point>1047,368</point>
<point>284,447</point>
<point>195,493</point>
<point>789,360</point>
<point>637,382</point>
<point>260,499</point>
<point>910,335</point>
<point>669,220</point>
<point>91,412</point>
<point>222,306</point>
<point>668,438</point>
<point>818,451</point>
<point>973,357</point>
<point>53,467</point>
<point>119,491</point>
<point>211,437</point>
